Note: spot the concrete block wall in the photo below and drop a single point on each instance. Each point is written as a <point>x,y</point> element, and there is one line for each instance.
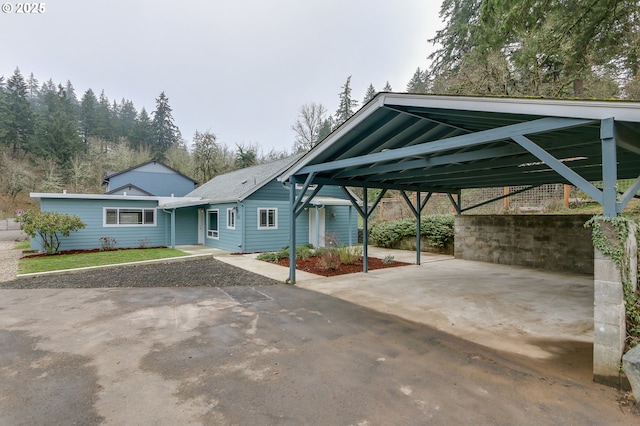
<point>550,242</point>
<point>609,328</point>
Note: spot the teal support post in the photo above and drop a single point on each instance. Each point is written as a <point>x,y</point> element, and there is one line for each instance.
<point>609,168</point>
<point>365,233</point>
<point>292,232</point>
<point>173,228</point>
<point>419,211</point>
<point>350,222</point>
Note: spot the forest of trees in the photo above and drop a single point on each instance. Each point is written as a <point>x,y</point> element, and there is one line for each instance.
<point>52,138</point>
<point>579,49</point>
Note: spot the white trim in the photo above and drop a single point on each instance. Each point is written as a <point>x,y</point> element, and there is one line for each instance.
<point>275,218</point>
<point>213,234</point>
<point>119,225</point>
<point>231,213</point>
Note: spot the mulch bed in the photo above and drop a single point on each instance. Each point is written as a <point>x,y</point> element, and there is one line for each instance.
<point>312,265</point>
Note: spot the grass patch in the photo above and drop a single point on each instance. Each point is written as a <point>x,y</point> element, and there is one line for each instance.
<point>22,245</point>
<point>58,262</point>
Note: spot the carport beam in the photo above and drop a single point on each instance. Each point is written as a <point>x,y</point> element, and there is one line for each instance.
<point>292,231</point>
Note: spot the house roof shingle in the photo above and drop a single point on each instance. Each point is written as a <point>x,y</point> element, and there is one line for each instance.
<point>239,184</point>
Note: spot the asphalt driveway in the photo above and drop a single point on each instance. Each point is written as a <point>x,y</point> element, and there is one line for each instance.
<point>261,355</point>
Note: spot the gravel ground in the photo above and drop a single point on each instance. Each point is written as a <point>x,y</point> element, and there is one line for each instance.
<point>189,273</point>
<point>8,261</point>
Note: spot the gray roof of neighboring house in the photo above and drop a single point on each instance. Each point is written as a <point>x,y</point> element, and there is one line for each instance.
<point>239,184</point>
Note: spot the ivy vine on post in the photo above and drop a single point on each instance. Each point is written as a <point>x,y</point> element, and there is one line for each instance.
<point>611,240</point>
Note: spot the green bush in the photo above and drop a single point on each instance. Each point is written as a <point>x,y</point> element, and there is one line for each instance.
<point>438,229</point>
<point>304,251</point>
<point>49,227</point>
<point>350,254</point>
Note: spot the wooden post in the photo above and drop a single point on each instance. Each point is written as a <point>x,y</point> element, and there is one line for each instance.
<point>567,190</point>
<point>506,200</point>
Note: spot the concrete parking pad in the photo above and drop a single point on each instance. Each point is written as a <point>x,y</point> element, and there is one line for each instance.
<point>265,355</point>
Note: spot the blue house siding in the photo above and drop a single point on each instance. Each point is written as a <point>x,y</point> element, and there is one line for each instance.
<point>186,226</point>
<point>160,184</point>
<point>228,239</point>
<point>91,212</point>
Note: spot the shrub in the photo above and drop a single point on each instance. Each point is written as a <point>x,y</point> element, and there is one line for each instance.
<point>438,229</point>
<point>350,254</point>
<point>107,243</point>
<point>329,259</point>
<point>49,226</point>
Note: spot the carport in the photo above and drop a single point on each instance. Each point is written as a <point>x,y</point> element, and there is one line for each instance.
<point>443,144</point>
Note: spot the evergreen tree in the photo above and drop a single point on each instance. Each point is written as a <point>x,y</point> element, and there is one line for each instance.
<point>17,117</point>
<point>165,131</point>
<point>33,92</point>
<point>104,119</point>
<point>127,115</point>
<point>246,156</point>
<point>327,127</point>
<point>387,88</point>
<point>347,105</point>
<point>59,136</point>
<point>369,94</point>
<point>88,115</point>
<point>419,82</point>
<point>142,132</point>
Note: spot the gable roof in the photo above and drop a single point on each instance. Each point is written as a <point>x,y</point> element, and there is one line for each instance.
<point>447,143</point>
<point>113,174</point>
<point>239,184</point>
<point>129,187</point>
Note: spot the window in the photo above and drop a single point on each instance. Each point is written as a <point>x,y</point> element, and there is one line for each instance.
<point>231,218</point>
<point>267,218</point>
<point>125,216</point>
<point>212,224</point>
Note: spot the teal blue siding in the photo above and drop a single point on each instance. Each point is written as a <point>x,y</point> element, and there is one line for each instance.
<point>228,239</point>
<point>187,226</point>
<point>337,223</point>
<point>91,213</point>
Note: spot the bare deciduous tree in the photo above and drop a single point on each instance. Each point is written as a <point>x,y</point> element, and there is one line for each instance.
<point>307,126</point>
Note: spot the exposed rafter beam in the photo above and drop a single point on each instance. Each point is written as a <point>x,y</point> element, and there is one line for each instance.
<point>559,167</point>
<point>531,127</point>
<point>422,117</point>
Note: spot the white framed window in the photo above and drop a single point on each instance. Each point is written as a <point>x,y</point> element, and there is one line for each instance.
<point>213,224</point>
<point>231,218</point>
<point>128,216</point>
<point>267,218</point>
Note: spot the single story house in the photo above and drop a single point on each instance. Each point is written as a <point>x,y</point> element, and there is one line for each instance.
<point>246,210</point>
<point>150,178</point>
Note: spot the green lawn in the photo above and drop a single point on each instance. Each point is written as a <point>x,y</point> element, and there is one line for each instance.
<point>69,261</point>
<point>23,245</point>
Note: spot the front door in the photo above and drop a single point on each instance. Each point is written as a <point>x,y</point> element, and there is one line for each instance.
<point>200,226</point>
<point>316,227</point>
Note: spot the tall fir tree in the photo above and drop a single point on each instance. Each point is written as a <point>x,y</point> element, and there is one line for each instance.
<point>419,82</point>
<point>58,137</point>
<point>369,94</point>
<point>142,137</point>
<point>165,131</point>
<point>88,115</point>
<point>17,117</point>
<point>347,104</point>
<point>387,87</point>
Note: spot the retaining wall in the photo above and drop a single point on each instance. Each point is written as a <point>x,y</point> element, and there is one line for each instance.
<point>550,242</point>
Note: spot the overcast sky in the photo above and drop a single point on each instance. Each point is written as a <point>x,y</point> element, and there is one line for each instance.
<point>238,68</point>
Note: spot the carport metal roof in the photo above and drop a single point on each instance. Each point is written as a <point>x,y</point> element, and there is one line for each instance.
<point>445,144</point>
<point>428,143</point>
